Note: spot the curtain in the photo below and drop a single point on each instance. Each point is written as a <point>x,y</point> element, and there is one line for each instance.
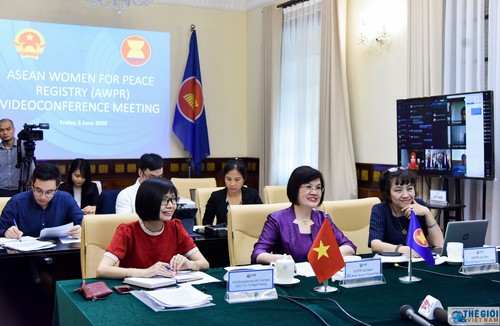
<point>336,151</point>
<point>425,52</point>
<point>493,187</point>
<point>296,126</point>
<point>465,70</point>
<point>271,58</point>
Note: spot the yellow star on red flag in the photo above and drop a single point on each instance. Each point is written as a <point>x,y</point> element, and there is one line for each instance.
<point>322,250</point>
<point>325,246</point>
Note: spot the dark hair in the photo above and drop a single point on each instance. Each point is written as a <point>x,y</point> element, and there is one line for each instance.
<point>300,176</point>
<point>150,161</point>
<point>237,165</point>
<point>149,197</point>
<point>46,172</point>
<point>401,175</point>
<point>84,167</point>
<point>7,120</point>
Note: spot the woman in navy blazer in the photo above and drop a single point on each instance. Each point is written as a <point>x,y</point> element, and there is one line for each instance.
<point>235,174</point>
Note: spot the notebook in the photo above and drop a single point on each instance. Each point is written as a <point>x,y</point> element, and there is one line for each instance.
<point>470,233</point>
<point>159,281</point>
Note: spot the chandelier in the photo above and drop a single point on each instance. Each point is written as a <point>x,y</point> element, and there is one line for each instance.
<point>119,5</point>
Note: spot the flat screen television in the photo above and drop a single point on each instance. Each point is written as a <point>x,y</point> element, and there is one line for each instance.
<point>447,135</point>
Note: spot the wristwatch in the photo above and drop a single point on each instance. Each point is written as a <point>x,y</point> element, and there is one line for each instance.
<point>397,247</point>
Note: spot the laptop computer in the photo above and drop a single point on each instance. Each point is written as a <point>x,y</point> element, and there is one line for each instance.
<point>188,218</point>
<point>471,233</point>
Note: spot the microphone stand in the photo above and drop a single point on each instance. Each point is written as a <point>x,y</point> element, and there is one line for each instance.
<point>325,288</point>
<point>409,279</point>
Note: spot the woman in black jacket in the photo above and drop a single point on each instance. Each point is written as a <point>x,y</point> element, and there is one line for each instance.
<point>79,184</point>
<point>235,175</point>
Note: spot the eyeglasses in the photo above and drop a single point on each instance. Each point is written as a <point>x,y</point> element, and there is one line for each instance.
<point>48,193</point>
<point>310,188</point>
<point>397,168</point>
<point>172,200</point>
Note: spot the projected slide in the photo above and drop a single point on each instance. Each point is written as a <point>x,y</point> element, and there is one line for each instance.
<point>103,91</point>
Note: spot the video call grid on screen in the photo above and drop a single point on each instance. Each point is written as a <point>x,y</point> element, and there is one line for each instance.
<point>447,135</point>
<point>105,92</point>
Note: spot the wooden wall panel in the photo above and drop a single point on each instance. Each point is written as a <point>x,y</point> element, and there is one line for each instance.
<point>118,174</point>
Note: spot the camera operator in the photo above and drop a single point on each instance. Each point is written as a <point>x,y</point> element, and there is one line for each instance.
<point>9,173</point>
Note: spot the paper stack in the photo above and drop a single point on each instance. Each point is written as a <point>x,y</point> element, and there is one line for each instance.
<point>184,296</point>
<point>28,244</point>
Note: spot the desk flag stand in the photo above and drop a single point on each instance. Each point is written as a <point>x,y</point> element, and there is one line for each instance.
<point>409,279</point>
<point>325,288</point>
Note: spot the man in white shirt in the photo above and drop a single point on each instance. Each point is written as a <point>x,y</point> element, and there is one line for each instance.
<point>150,166</point>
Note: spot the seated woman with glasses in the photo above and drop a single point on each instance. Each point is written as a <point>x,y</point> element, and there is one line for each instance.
<point>27,213</point>
<point>292,230</point>
<point>390,219</point>
<point>235,174</point>
<point>154,245</point>
<point>79,184</point>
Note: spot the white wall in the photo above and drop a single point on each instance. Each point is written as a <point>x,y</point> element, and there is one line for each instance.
<point>376,79</point>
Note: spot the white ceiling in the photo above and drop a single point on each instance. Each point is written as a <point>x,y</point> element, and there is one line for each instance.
<point>232,5</point>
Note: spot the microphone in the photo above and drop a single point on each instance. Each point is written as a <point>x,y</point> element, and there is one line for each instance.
<point>431,308</point>
<point>407,312</point>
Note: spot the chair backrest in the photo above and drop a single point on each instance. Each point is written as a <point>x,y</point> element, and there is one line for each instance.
<point>99,185</point>
<point>352,217</point>
<point>184,185</point>
<point>106,204</point>
<point>97,232</point>
<point>201,198</point>
<point>245,223</point>
<point>3,202</point>
<point>274,194</point>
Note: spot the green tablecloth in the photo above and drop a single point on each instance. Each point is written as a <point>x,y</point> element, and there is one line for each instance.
<point>376,305</point>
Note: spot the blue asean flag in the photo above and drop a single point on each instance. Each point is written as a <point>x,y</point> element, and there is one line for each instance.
<point>417,240</point>
<point>190,120</point>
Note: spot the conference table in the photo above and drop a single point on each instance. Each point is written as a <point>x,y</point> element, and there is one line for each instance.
<point>63,260</point>
<point>374,305</point>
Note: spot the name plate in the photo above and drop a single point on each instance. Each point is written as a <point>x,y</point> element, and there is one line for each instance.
<point>365,268</point>
<point>250,280</point>
<point>480,256</point>
<point>438,195</point>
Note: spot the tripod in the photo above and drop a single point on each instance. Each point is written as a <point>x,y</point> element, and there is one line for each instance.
<point>25,162</point>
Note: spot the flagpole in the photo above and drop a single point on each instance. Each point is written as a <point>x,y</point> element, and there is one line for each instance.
<point>409,279</point>
<point>325,288</point>
<point>189,161</point>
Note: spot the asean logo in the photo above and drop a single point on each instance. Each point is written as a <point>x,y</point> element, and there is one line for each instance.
<point>135,50</point>
<point>190,100</point>
<point>419,238</point>
<point>29,43</point>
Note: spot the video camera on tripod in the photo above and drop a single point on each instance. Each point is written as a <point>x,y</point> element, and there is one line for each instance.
<point>28,136</point>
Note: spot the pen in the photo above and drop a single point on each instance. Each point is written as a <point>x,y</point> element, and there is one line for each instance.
<point>15,224</point>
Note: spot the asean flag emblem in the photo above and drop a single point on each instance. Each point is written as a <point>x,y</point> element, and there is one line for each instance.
<point>419,238</point>
<point>190,100</point>
<point>135,50</point>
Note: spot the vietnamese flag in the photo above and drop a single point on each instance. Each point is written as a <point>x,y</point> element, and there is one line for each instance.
<point>324,256</point>
<point>417,241</point>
